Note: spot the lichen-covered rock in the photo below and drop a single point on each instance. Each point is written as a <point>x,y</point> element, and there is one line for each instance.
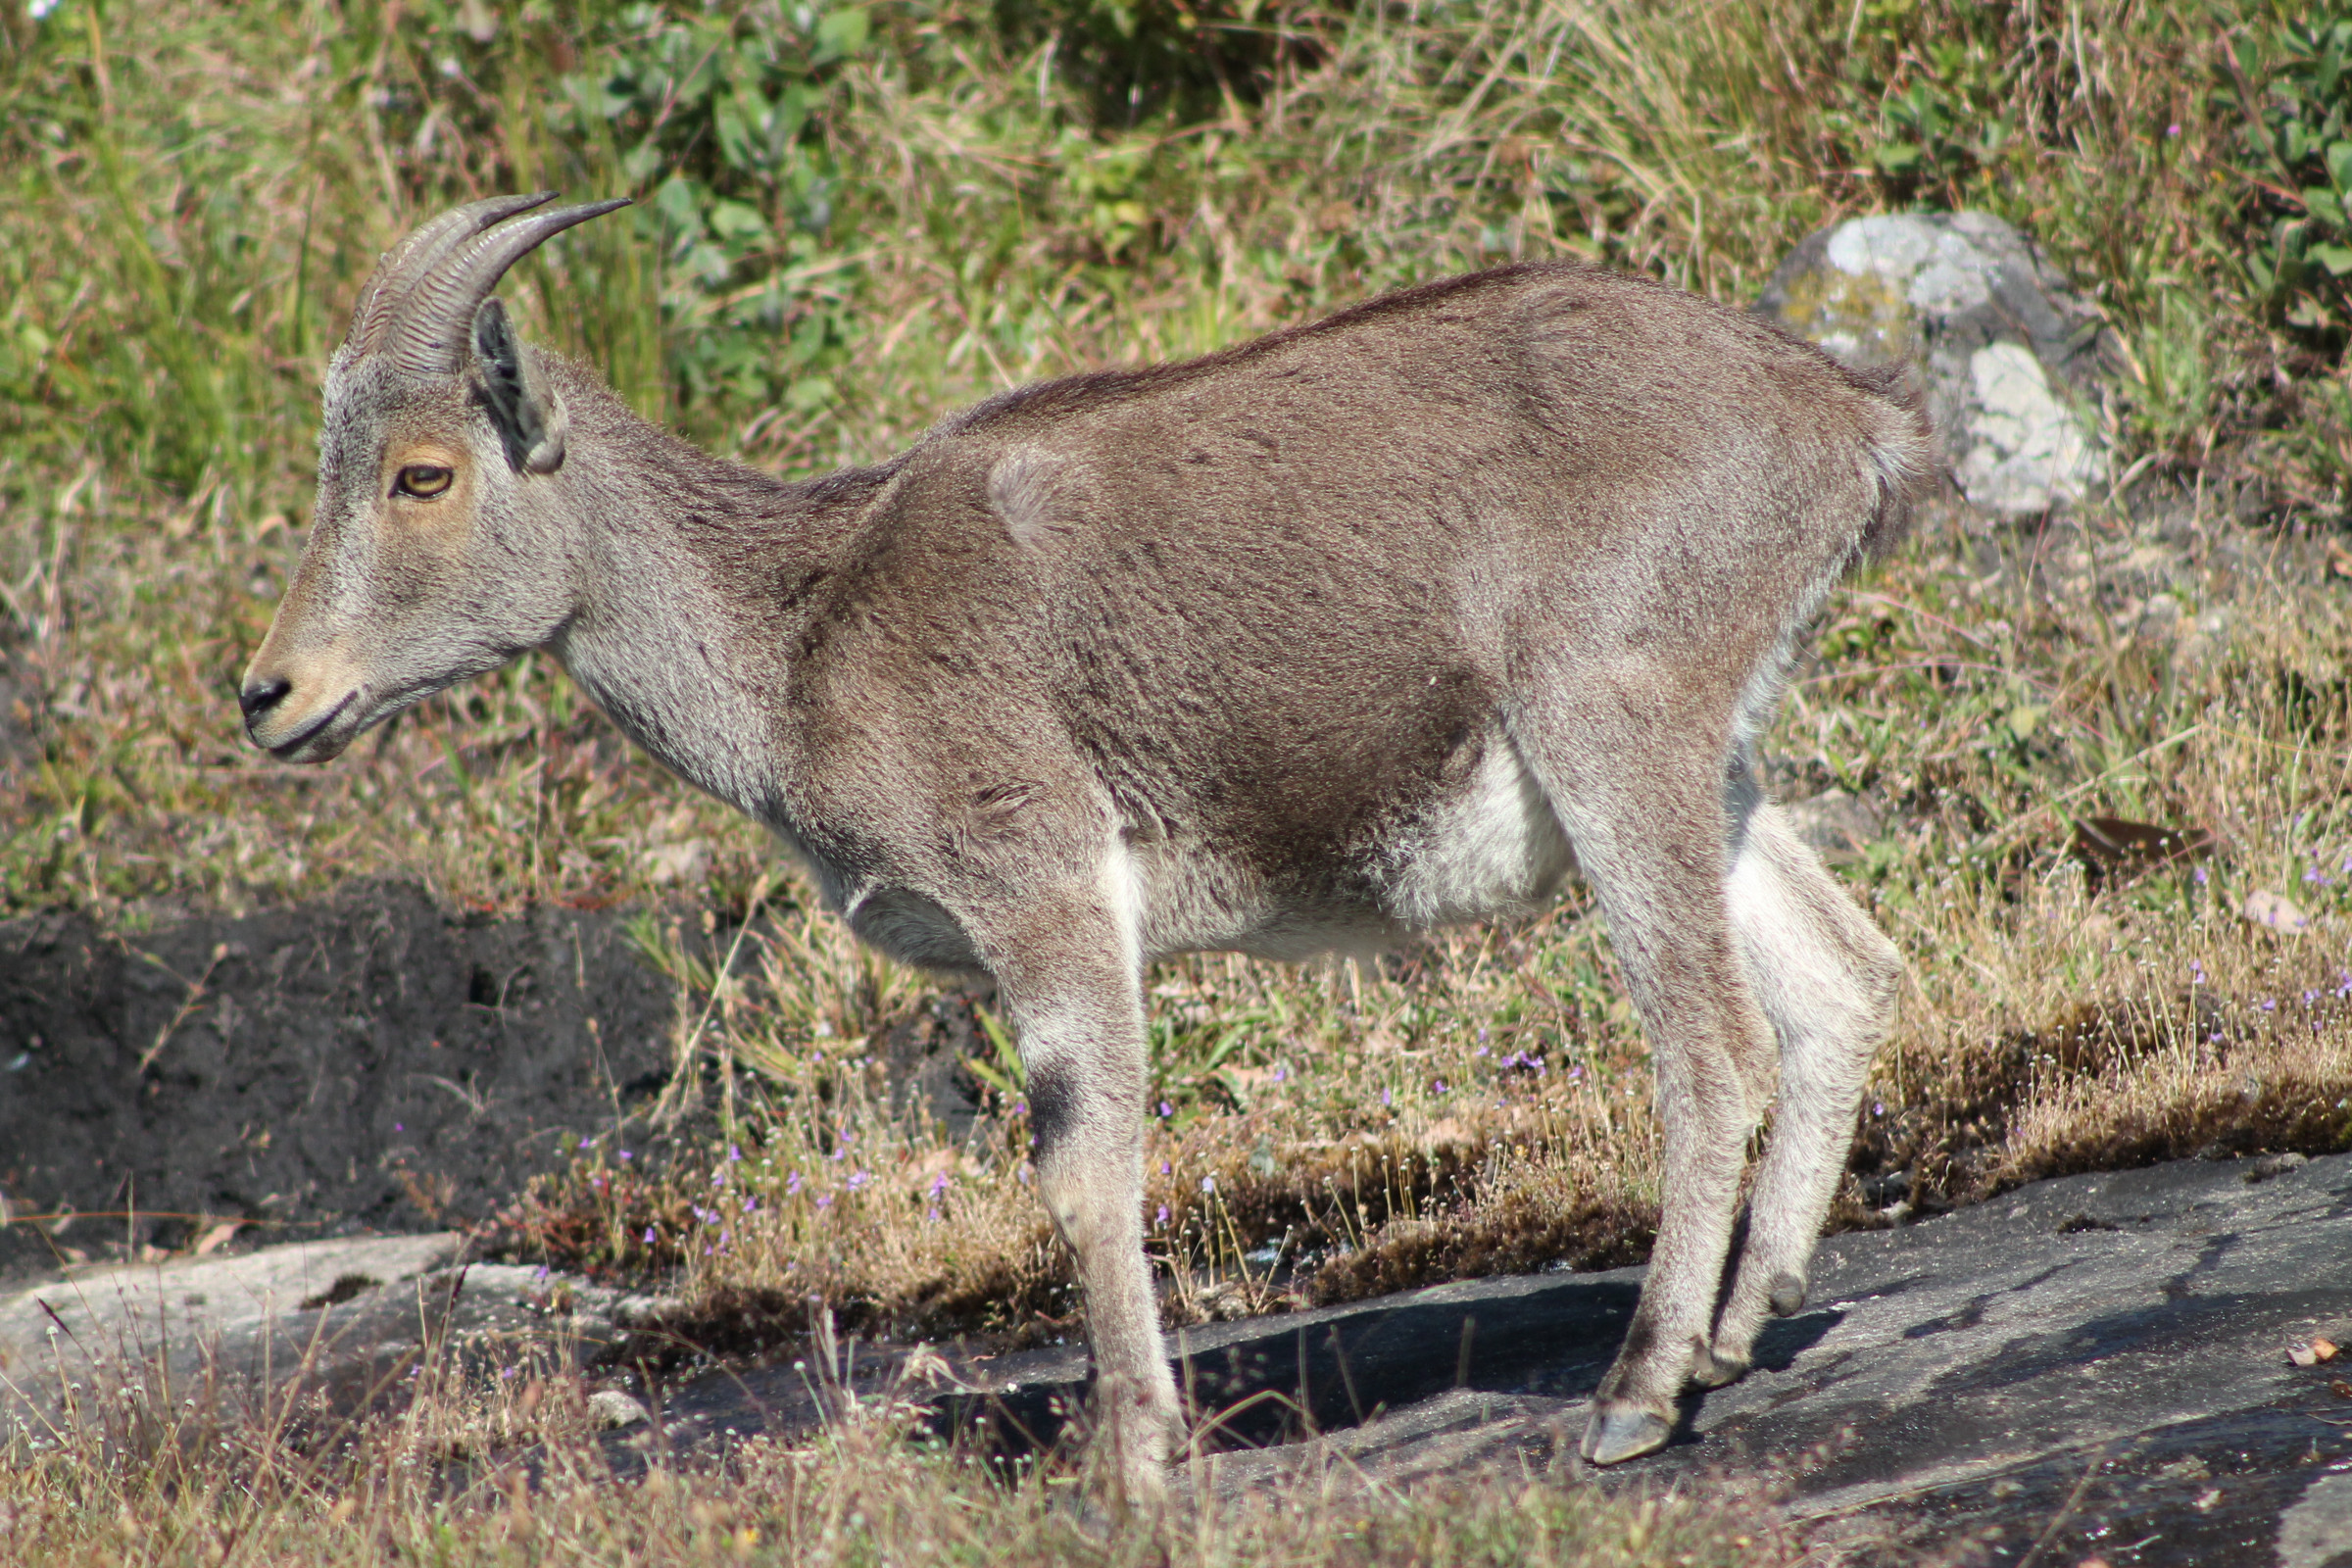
<point>2012,355</point>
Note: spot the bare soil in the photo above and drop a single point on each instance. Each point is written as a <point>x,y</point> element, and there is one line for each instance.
<point>367,1062</point>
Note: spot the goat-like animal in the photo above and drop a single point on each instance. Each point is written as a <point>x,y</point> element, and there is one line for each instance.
<point>1372,625</point>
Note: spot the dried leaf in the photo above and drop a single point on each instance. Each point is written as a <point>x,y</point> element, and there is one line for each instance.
<point>2324,1349</point>
<point>2339,1388</point>
<point>2302,1355</point>
<point>2271,909</point>
<point>212,1241</point>
<point>2114,846</point>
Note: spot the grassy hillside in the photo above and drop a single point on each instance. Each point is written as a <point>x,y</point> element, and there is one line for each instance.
<point>852,219</point>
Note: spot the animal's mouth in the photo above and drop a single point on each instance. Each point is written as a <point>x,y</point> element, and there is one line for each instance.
<point>291,748</point>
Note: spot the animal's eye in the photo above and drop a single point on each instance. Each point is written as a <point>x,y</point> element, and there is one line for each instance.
<point>422,480</point>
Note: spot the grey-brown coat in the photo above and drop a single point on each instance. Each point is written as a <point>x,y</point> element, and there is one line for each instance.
<point>1381,622</point>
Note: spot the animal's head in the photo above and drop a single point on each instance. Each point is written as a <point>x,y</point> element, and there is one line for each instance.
<point>435,550</point>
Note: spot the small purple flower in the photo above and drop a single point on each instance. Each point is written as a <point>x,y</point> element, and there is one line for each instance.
<point>2196,972</point>
<point>505,1372</point>
<point>542,1274</point>
<point>400,1127</point>
<point>858,1180</point>
<point>932,1217</point>
<point>751,1205</point>
<point>2311,873</point>
<point>1385,1098</point>
<point>1163,1164</point>
<point>1482,1036</point>
<point>1437,1086</point>
<point>1020,1108</point>
<point>734,1154</point>
<point>1481,1050</point>
<point>584,1143</point>
<point>2268,1004</point>
<point>1166,1109</point>
<point>718,1178</point>
<point>1209,1183</point>
<point>624,1154</point>
<point>825,1202</point>
<point>792,1184</point>
<point>1878,1107</point>
<point>2199,874</point>
<point>939,1184</point>
<point>1162,1218</point>
<point>1574,1073</point>
<point>1282,1075</point>
<point>648,1236</point>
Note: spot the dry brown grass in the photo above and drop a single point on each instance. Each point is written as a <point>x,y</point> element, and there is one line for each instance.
<point>519,1474</point>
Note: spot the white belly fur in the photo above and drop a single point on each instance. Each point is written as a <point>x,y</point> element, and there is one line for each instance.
<point>1494,849</point>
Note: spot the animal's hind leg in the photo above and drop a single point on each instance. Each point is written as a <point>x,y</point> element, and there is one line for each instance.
<point>1643,804</point>
<point>1827,979</point>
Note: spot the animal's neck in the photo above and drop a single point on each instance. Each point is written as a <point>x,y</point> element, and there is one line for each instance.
<point>684,605</point>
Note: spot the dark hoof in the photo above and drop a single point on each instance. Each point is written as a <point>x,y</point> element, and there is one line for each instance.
<point>1711,1371</point>
<point>1787,1294</point>
<point>1615,1436</point>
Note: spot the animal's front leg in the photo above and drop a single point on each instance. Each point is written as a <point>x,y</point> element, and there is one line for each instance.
<point>1075,998</point>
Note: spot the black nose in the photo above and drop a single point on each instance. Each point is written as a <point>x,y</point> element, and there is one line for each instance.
<point>258,699</point>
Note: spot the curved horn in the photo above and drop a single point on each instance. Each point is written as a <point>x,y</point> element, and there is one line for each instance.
<point>416,256</point>
<point>432,322</point>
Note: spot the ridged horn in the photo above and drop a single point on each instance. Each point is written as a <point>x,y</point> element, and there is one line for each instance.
<point>416,254</point>
<point>433,319</point>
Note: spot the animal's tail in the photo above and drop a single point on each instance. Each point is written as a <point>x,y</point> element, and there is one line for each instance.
<point>1901,457</point>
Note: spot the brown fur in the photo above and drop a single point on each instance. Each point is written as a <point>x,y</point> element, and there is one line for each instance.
<point>1381,621</point>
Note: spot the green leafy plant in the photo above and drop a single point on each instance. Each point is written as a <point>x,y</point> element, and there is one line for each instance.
<point>1137,60</point>
<point>2294,83</point>
<point>715,116</point>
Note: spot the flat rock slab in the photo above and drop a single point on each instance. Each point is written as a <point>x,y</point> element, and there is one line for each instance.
<point>2101,1360</point>
<point>2096,1365</point>
<point>339,1325</point>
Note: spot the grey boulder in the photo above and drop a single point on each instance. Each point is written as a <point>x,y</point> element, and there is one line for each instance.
<point>2012,353</point>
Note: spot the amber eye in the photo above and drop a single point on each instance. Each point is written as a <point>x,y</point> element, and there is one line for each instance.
<point>422,480</point>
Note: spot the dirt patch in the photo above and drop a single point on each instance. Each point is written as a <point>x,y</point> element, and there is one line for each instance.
<point>369,1061</point>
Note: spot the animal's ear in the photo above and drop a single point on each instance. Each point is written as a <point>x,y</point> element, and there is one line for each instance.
<point>529,416</point>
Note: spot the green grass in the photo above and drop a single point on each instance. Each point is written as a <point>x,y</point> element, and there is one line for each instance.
<point>854,221</point>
